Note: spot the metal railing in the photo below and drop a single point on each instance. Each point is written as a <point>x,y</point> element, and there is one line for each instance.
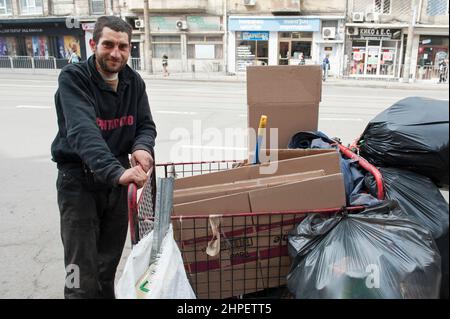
<point>429,72</point>
<point>29,62</point>
<point>136,64</point>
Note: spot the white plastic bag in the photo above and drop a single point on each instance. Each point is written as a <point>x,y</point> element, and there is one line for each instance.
<point>164,279</point>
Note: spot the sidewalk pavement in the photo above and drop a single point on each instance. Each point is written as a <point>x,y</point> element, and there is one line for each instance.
<point>241,78</point>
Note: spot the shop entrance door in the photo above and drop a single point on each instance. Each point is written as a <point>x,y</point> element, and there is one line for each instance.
<point>373,60</point>
<point>285,53</point>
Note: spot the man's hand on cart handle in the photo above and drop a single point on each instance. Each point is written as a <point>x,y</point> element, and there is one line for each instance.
<point>134,175</point>
<point>144,159</point>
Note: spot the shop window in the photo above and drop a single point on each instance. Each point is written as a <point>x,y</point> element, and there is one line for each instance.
<point>5,7</point>
<point>167,45</point>
<point>382,6</point>
<point>31,7</point>
<point>437,7</point>
<point>97,6</point>
<point>252,48</point>
<point>294,47</point>
<point>205,47</point>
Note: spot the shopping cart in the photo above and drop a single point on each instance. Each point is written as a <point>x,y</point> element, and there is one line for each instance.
<point>251,252</point>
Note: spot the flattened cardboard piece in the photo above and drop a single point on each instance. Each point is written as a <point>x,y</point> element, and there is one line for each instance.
<point>329,162</point>
<point>284,154</point>
<point>236,203</point>
<point>201,193</point>
<point>316,193</point>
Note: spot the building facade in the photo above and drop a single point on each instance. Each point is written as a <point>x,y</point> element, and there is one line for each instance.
<point>362,38</point>
<point>376,38</point>
<point>55,28</point>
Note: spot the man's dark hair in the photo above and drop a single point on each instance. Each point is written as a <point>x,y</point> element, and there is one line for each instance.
<point>112,22</point>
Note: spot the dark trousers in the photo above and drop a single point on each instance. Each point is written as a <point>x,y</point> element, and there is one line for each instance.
<point>93,230</point>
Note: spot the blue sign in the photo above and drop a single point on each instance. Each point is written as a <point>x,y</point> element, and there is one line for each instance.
<point>279,25</point>
<point>255,36</point>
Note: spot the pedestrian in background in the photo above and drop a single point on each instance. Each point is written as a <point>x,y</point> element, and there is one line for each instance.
<point>325,67</point>
<point>165,65</point>
<point>74,57</point>
<point>103,116</point>
<point>443,71</point>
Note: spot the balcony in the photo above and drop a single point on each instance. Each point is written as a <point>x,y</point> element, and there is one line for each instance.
<point>170,6</point>
<point>284,6</point>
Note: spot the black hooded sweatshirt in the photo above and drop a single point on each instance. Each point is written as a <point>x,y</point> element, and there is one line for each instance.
<point>99,127</point>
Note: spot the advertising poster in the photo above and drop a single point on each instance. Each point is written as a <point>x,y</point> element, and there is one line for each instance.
<point>3,47</point>
<point>43,50</point>
<point>61,52</point>
<point>71,43</point>
<point>29,46</point>
<point>35,40</point>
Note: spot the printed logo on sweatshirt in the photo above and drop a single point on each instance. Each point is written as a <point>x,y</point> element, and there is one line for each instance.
<point>108,125</point>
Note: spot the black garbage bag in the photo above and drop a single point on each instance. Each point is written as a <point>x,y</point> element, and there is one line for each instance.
<point>375,254</point>
<point>421,200</point>
<point>418,197</point>
<point>412,134</point>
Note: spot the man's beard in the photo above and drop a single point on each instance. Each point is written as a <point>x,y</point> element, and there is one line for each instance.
<point>105,68</point>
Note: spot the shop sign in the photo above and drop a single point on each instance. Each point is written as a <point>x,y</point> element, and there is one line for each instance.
<point>199,23</point>
<point>21,30</point>
<point>255,36</point>
<point>379,34</point>
<point>270,24</point>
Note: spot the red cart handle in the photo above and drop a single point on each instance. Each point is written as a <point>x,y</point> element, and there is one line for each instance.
<point>133,212</point>
<point>368,167</point>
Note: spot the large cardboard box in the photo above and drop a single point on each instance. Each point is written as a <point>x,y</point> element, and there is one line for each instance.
<point>328,161</point>
<point>288,95</point>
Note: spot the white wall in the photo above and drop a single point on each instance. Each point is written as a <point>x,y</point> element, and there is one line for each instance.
<point>232,52</point>
<point>273,48</point>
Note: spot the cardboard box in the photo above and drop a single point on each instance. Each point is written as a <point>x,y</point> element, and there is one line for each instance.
<point>288,95</point>
<point>199,193</point>
<point>328,161</point>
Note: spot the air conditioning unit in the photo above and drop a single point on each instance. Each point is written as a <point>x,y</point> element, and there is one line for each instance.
<point>249,2</point>
<point>372,17</point>
<point>329,32</point>
<point>358,17</point>
<point>352,31</point>
<point>139,23</point>
<point>182,25</point>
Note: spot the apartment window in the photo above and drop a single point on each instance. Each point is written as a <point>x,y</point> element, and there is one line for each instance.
<point>437,7</point>
<point>167,45</point>
<point>382,6</point>
<point>5,7</point>
<point>205,47</point>
<point>31,6</point>
<point>97,6</point>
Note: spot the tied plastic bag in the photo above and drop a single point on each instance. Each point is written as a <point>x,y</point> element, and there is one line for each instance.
<point>412,134</point>
<point>418,197</point>
<point>164,279</point>
<point>371,255</point>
